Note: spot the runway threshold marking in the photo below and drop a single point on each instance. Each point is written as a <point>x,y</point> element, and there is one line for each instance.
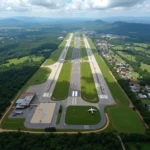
<point>74,95</point>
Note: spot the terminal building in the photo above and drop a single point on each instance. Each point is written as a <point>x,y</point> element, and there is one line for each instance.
<point>24,100</point>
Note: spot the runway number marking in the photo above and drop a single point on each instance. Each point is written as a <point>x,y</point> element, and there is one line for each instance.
<point>47,94</point>
<point>103,96</point>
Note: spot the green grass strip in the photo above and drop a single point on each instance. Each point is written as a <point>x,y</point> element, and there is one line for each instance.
<point>55,54</point>
<point>88,89</point>
<point>84,55</point>
<point>70,50</point>
<point>116,91</point>
<point>61,90</point>
<point>79,115</point>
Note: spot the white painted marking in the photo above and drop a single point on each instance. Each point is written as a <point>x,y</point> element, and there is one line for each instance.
<point>72,93</point>
<point>103,96</point>
<point>76,93</point>
<point>47,94</point>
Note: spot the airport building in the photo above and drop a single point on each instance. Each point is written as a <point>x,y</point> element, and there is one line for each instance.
<point>24,100</point>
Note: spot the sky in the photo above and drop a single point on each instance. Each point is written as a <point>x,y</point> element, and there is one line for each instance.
<point>74,8</point>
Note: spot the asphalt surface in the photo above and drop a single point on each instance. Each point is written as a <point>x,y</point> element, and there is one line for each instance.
<point>45,90</point>
<point>103,91</point>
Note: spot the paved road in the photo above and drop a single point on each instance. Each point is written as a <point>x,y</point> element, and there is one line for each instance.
<point>74,97</point>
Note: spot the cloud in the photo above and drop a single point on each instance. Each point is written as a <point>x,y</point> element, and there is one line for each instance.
<point>64,5</point>
<point>51,4</point>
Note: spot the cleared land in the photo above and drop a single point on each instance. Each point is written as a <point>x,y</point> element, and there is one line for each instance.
<point>78,115</point>
<point>124,119</point>
<point>88,89</point>
<point>61,90</point>
<point>55,54</point>
<point>23,59</point>
<point>127,56</point>
<point>145,66</point>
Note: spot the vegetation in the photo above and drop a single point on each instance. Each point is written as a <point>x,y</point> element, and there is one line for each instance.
<point>124,119</point>
<point>66,141</point>
<point>88,89</point>
<point>116,91</point>
<point>83,51</point>
<point>61,90</point>
<point>25,53</point>
<point>70,50</point>
<point>79,115</point>
<point>55,54</point>
<point>39,77</point>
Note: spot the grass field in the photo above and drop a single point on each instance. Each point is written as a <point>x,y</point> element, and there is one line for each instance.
<point>144,45</point>
<point>23,59</point>
<point>118,47</point>
<point>145,66</point>
<point>139,146</point>
<point>83,51</point>
<point>127,56</point>
<point>55,54</point>
<point>78,115</point>
<point>88,89</point>
<point>39,77</point>
<point>116,91</point>
<point>70,50</point>
<point>61,90</point>
<point>124,119</point>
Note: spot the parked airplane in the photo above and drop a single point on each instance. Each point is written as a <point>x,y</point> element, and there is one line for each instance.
<point>92,110</point>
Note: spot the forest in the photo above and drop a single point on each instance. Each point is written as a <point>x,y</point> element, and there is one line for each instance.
<point>29,51</point>
<point>25,141</point>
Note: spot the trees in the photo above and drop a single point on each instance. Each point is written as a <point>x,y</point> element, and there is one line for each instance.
<point>24,141</point>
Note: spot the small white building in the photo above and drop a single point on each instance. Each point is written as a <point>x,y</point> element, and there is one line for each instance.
<point>142,96</point>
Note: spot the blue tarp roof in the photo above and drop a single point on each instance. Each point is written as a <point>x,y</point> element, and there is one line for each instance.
<point>19,101</point>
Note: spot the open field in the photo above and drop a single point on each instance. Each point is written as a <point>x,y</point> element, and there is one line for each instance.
<point>23,59</point>
<point>116,91</point>
<point>142,145</point>
<point>145,66</point>
<point>127,56</point>
<point>124,119</point>
<point>70,50</point>
<point>144,45</point>
<point>88,89</point>
<point>56,53</point>
<point>118,47</point>
<point>78,115</point>
<point>39,77</point>
<point>61,90</point>
<point>83,51</point>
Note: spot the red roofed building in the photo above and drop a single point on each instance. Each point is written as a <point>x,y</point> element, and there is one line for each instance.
<point>123,73</point>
